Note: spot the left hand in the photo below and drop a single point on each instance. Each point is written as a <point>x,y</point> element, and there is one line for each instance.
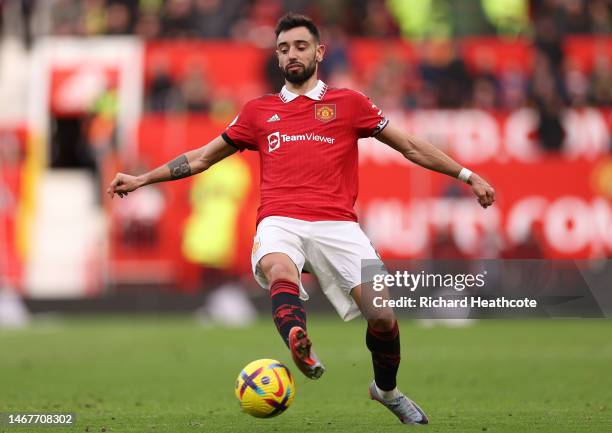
<point>482,190</point>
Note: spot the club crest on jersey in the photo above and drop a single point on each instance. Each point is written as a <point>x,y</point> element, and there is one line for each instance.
<point>325,112</point>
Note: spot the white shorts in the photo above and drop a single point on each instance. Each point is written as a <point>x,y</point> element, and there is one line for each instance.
<point>330,250</point>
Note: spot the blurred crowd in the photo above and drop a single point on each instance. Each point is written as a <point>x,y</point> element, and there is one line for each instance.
<point>250,19</point>
<point>439,78</point>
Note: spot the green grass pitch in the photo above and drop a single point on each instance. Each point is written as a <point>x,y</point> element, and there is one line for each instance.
<point>125,374</point>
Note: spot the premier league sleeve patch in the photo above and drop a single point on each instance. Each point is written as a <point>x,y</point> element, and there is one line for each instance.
<point>325,112</point>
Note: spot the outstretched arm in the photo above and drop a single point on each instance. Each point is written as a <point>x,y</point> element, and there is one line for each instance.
<point>429,156</point>
<point>188,164</point>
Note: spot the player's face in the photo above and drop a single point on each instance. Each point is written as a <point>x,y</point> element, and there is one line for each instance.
<point>298,54</point>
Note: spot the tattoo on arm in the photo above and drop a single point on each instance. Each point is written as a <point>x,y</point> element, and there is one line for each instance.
<point>179,168</point>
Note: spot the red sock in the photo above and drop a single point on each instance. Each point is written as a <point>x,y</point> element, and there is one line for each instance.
<point>287,309</point>
<point>385,348</point>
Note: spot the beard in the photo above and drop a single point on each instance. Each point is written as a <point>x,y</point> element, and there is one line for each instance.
<point>300,75</point>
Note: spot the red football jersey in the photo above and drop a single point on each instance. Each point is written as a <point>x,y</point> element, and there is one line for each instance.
<point>307,146</point>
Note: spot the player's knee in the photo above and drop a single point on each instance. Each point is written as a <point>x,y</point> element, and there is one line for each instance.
<point>277,270</point>
<point>281,272</point>
<point>382,324</point>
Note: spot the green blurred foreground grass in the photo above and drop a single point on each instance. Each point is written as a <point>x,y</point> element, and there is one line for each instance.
<point>124,374</point>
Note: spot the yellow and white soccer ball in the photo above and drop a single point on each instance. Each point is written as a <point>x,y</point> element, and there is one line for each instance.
<point>265,388</point>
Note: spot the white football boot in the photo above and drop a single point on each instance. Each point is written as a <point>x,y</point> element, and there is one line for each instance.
<point>405,409</point>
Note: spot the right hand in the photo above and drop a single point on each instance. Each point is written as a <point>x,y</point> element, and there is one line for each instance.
<point>122,184</point>
<point>483,191</point>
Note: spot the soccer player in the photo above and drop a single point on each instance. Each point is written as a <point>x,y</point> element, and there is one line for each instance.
<point>306,137</point>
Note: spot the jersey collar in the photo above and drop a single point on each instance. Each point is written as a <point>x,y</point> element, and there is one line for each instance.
<point>316,93</point>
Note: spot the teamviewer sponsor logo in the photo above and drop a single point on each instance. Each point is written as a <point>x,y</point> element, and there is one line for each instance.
<point>309,136</point>
<point>276,138</point>
<point>274,141</point>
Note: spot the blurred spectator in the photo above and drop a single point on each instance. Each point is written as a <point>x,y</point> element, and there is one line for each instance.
<point>456,18</point>
<point>486,84</point>
<point>444,70</point>
<point>468,17</point>
<point>548,90</point>
<point>210,239</point>
<point>148,26</point>
<point>66,18</point>
<point>529,247</point>
<point>444,247</point>
<point>513,88</point>
<point>577,85</point>
<point>273,74</point>
<point>16,18</point>
<point>422,18</point>
<point>349,15</point>
<point>341,77</point>
<point>576,18</point>
<point>94,17</point>
<point>195,90</point>
<point>601,81</point>
<point>548,41</point>
<point>600,13</point>
<point>455,83</point>
<point>387,83</point>
<point>484,94</point>
<point>545,94</point>
<point>306,7</point>
<point>27,12</point>
<point>215,17</point>
<point>162,93</point>
<point>100,132</point>
<point>150,6</point>
<point>336,53</point>
<point>258,26</point>
<point>178,19</point>
<point>509,17</point>
<point>378,21</point>
<point>216,201</point>
<point>119,19</point>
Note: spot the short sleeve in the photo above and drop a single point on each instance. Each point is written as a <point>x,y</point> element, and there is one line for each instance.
<point>240,133</point>
<point>370,119</point>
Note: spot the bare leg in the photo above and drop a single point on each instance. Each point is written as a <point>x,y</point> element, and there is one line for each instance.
<point>278,266</point>
<point>382,319</point>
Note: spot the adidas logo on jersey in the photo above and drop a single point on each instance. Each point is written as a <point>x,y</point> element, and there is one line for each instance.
<point>274,118</point>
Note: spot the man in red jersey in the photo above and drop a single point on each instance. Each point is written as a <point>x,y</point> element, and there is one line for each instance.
<point>306,137</point>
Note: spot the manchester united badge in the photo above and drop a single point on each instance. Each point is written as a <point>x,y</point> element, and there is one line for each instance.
<point>325,112</point>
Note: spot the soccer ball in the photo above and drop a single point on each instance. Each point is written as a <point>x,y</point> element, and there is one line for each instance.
<point>265,388</point>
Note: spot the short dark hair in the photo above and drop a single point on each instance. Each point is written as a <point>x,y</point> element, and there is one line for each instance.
<point>292,20</point>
